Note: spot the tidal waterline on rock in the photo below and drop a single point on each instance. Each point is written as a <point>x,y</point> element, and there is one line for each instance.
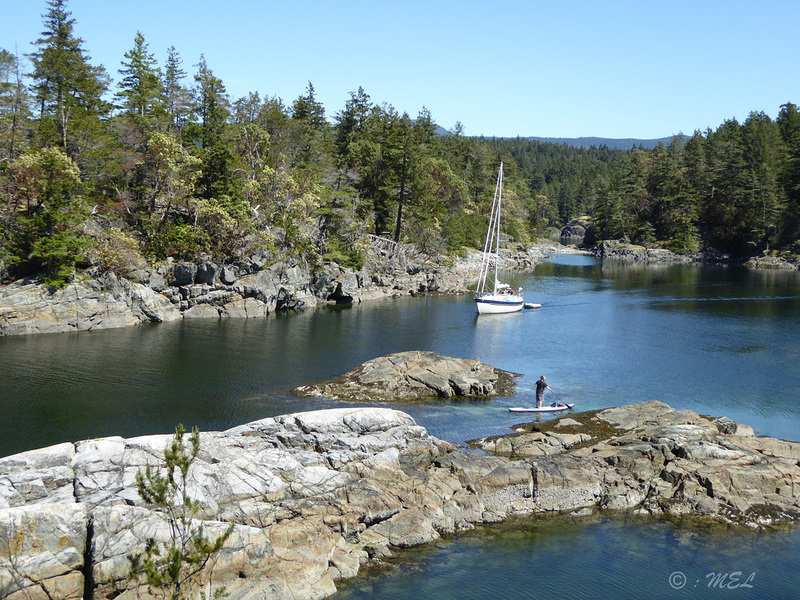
<point>598,557</point>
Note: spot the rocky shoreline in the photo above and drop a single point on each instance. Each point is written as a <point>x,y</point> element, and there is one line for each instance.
<point>315,497</point>
<point>626,252</point>
<point>259,286</point>
<point>251,289</point>
<point>652,460</point>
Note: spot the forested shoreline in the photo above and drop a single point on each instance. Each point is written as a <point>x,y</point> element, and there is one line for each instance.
<point>156,163</point>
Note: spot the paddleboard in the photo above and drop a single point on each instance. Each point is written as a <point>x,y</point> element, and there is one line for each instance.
<point>553,408</point>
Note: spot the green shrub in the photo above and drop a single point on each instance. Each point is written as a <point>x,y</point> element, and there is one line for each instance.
<point>118,251</point>
<point>59,254</point>
<point>180,240</point>
<point>174,567</point>
<point>348,256</point>
<point>463,229</point>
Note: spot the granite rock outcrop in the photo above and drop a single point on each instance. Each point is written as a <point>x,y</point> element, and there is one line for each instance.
<point>252,288</point>
<point>315,497</point>
<point>651,459</point>
<point>413,375</point>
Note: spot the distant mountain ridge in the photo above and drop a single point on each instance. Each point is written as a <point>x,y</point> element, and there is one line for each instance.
<point>611,143</point>
<point>588,142</point>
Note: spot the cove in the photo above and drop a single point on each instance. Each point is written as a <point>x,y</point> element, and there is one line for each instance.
<point>718,340</point>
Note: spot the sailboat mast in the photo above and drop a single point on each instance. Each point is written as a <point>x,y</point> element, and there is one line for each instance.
<point>488,247</point>
<point>497,217</point>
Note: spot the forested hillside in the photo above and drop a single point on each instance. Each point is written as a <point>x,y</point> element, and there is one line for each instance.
<point>143,161</point>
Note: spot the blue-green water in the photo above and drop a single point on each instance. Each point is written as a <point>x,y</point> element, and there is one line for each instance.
<point>717,340</point>
<point>605,559</point>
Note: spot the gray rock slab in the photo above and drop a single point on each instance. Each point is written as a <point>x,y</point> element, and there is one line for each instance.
<point>414,375</point>
<point>312,497</point>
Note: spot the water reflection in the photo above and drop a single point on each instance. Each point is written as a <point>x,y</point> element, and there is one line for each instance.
<point>718,340</point>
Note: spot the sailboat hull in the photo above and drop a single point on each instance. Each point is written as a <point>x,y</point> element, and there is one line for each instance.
<point>491,304</point>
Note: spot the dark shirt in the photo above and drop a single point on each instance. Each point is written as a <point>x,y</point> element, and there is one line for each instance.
<point>540,387</point>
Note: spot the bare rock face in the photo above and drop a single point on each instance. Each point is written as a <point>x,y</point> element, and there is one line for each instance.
<point>625,251</point>
<point>414,375</point>
<point>28,307</point>
<point>251,287</point>
<point>652,459</point>
<point>314,497</point>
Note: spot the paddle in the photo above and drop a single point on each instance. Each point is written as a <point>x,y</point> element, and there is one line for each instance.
<point>557,396</point>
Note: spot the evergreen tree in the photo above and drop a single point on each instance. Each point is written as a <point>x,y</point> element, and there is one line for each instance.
<point>177,99</point>
<point>310,133</point>
<point>722,219</point>
<point>67,88</point>
<point>400,154</point>
<point>421,180</point>
<point>174,568</point>
<point>140,90</point>
<point>308,110</point>
<point>140,97</point>
<point>375,160</point>
<point>764,155</point>
<point>211,106</point>
<point>425,131</point>
<point>14,109</point>
<point>789,126</point>
<point>350,125</point>
<point>46,210</point>
<point>251,139</point>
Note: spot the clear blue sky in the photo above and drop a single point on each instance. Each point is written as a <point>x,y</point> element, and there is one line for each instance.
<point>560,68</point>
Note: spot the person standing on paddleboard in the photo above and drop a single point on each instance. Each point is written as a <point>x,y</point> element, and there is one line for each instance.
<point>541,386</point>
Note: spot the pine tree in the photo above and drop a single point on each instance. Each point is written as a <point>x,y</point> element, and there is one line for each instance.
<point>764,154</point>
<point>174,569</point>
<point>721,217</point>
<point>789,124</point>
<point>177,98</point>
<point>309,110</point>
<point>310,132</point>
<point>210,105</point>
<point>14,109</point>
<point>67,88</point>
<point>350,124</point>
<point>140,92</point>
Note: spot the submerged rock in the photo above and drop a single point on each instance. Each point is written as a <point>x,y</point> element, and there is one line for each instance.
<point>414,375</point>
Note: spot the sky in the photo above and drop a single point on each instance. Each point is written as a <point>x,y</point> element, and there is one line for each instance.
<point>560,68</point>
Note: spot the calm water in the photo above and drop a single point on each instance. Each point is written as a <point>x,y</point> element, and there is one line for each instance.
<point>606,559</point>
<point>718,340</point>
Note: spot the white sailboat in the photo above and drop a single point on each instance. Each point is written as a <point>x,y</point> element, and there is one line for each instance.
<point>495,297</point>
